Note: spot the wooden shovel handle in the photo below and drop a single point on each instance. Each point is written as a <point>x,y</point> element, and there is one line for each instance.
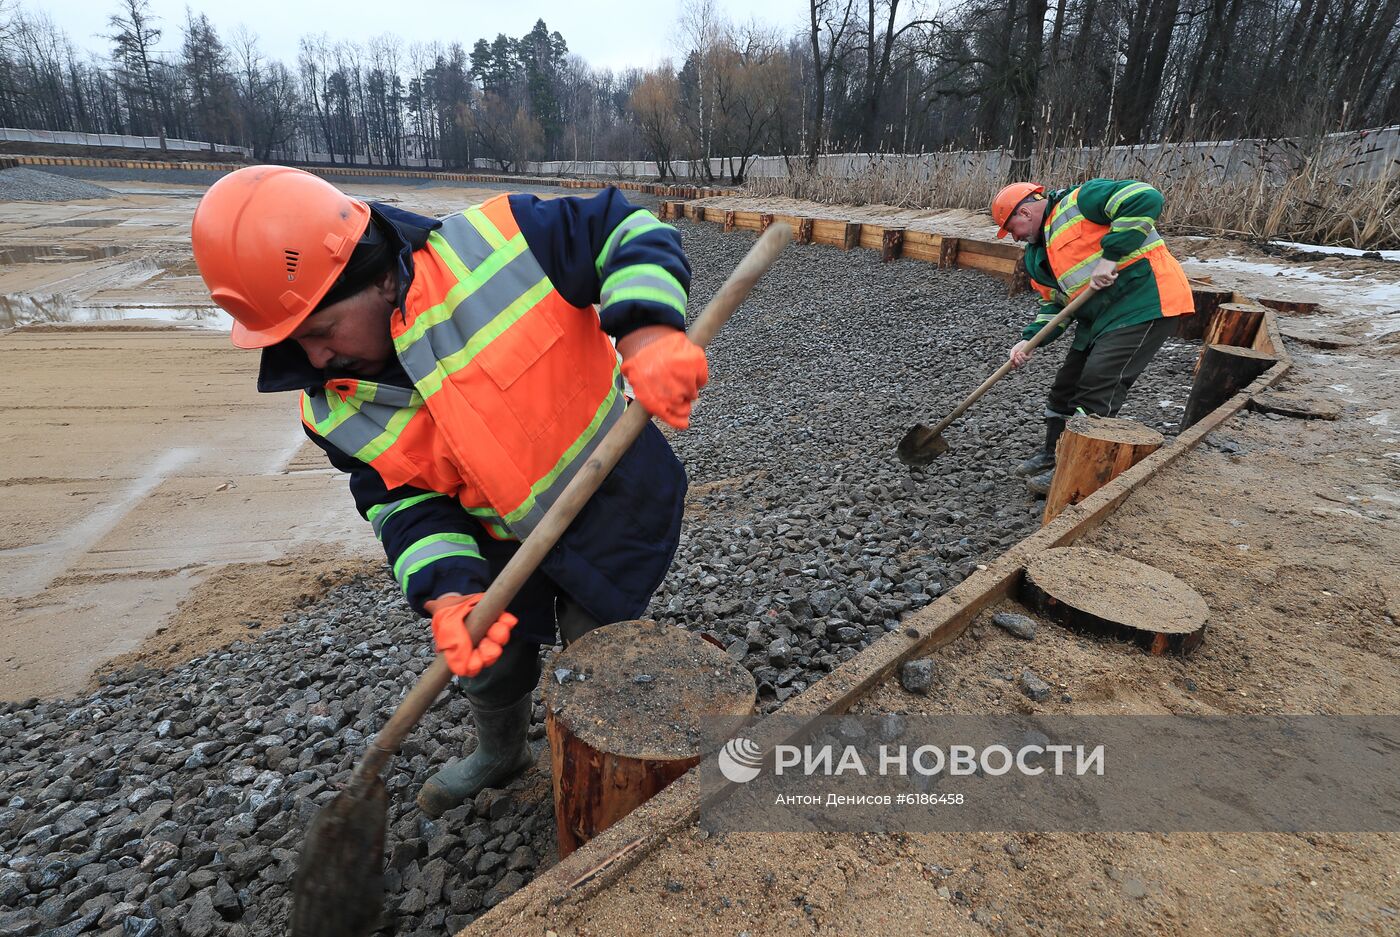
<point>561,514</point>
<point>1061,317</point>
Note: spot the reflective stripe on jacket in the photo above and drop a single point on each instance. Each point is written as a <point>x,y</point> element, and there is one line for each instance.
<point>1079,227</point>
<point>503,384</point>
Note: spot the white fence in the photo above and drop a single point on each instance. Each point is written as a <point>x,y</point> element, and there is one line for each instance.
<point>1354,156</point>
<point>74,138</point>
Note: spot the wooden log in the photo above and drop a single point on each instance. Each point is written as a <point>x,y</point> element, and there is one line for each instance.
<point>1297,405</point>
<point>830,231</point>
<point>1020,278</point>
<point>1292,307</point>
<point>891,244</point>
<point>986,263</point>
<point>1092,451</point>
<point>1224,371</point>
<point>803,234</point>
<point>948,253</point>
<point>748,220</point>
<point>728,221</point>
<point>764,220</point>
<point>851,236</point>
<point>1207,299</point>
<point>1113,596</point>
<point>923,245</point>
<point>624,709</point>
<point>1232,324</point>
<point>999,249</point>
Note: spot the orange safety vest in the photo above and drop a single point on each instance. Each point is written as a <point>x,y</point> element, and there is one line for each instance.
<point>1073,247</point>
<point>513,386</point>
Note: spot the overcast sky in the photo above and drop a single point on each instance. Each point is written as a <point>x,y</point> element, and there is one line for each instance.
<point>614,34</point>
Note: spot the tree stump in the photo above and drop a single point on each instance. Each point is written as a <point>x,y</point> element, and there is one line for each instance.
<point>1020,278</point>
<point>1112,596</point>
<point>1298,406</point>
<point>948,253</point>
<point>891,244</point>
<point>1232,324</point>
<point>624,707</point>
<point>1224,371</point>
<point>1207,299</point>
<point>1092,451</point>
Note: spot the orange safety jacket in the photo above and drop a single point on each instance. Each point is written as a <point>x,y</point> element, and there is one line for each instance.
<point>504,382</point>
<point>513,385</point>
<point>1151,283</point>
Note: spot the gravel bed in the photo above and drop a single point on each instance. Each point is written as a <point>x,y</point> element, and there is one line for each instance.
<point>22,184</point>
<point>174,803</point>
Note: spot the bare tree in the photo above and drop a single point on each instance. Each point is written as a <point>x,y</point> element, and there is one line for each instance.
<point>135,36</point>
<point>655,104</point>
<point>831,20</point>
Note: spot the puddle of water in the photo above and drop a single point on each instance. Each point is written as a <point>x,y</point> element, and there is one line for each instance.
<point>54,253</point>
<point>84,223</point>
<point>26,309</point>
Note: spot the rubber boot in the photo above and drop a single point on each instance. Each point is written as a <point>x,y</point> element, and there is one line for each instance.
<point>1045,458</point>
<point>1039,485</point>
<point>502,754</point>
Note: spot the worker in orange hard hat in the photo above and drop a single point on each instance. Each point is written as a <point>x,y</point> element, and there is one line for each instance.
<point>461,371</point>
<point>1102,232</point>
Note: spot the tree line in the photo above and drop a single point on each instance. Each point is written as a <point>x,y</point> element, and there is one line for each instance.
<point>857,75</point>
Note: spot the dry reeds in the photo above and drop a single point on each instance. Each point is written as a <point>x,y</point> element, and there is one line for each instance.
<point>1275,189</point>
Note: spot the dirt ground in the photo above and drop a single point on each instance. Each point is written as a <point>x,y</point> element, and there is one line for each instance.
<point>1290,531</point>
<point>155,502</point>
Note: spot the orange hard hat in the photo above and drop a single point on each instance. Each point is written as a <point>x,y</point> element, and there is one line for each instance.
<point>1008,199</point>
<point>270,241</point>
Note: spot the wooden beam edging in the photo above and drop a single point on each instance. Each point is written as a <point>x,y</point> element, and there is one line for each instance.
<point>606,858</point>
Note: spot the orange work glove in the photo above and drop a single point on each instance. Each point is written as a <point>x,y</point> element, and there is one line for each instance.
<point>666,370</point>
<point>450,634</point>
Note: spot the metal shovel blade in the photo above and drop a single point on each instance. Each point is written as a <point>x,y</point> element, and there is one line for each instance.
<point>920,446</point>
<point>339,886</point>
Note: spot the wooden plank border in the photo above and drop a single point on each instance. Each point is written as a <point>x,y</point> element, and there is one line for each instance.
<point>601,862</point>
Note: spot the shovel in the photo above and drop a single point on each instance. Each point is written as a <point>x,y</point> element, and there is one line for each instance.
<point>922,445</point>
<point>339,886</point>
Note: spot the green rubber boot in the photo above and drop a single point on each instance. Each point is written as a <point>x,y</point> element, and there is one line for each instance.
<point>502,754</point>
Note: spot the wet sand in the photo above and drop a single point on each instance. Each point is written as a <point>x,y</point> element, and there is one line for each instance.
<point>149,492</point>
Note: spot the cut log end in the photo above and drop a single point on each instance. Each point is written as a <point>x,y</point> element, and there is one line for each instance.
<point>1114,430</point>
<point>1296,405</point>
<point>1102,594</point>
<point>625,708</point>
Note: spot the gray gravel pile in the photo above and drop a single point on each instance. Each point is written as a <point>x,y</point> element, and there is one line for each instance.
<point>22,184</point>
<point>175,803</point>
<point>807,539</point>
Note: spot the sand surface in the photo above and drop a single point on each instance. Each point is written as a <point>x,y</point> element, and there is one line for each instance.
<point>155,505</point>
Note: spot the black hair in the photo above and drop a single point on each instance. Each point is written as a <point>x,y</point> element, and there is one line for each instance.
<point>368,262</point>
